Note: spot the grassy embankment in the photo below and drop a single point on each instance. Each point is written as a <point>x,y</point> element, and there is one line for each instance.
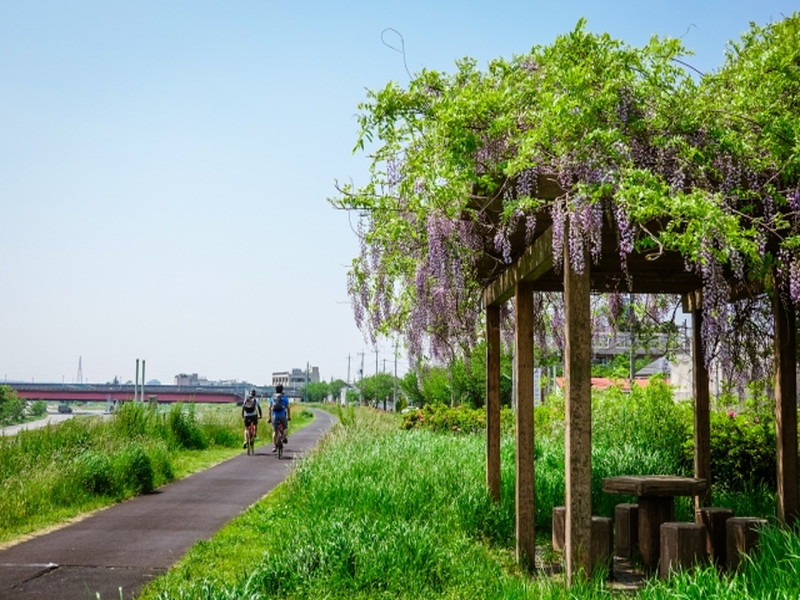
<point>379,512</point>
<point>52,475</point>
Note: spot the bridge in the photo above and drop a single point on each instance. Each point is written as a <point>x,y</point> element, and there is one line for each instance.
<point>115,392</point>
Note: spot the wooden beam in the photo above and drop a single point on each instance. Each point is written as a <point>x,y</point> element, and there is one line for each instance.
<point>786,409</point>
<point>534,262</point>
<point>578,451</point>
<point>523,393</point>
<point>693,301</point>
<point>702,418</point>
<point>493,401</point>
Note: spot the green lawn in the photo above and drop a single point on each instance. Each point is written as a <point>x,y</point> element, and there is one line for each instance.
<point>379,512</point>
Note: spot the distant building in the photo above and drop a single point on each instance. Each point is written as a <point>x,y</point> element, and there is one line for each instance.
<point>193,379</point>
<point>296,377</point>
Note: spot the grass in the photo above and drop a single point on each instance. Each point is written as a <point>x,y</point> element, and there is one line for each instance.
<point>56,474</point>
<point>377,512</point>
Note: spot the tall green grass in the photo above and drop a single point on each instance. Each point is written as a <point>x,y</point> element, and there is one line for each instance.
<point>772,572</point>
<point>375,513</point>
<point>379,512</point>
<point>51,474</point>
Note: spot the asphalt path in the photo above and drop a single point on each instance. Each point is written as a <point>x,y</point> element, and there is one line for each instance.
<point>50,419</point>
<point>125,546</point>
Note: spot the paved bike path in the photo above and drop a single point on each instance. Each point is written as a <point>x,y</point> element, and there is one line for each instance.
<point>129,544</point>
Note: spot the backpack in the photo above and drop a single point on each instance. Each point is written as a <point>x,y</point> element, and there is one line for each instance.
<point>249,404</point>
<point>279,403</point>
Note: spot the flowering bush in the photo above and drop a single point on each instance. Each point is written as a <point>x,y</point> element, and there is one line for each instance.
<point>742,450</point>
<point>459,419</point>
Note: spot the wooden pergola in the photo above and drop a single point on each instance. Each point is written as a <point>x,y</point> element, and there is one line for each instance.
<point>663,272</point>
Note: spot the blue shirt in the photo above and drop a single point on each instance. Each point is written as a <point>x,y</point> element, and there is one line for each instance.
<point>279,411</point>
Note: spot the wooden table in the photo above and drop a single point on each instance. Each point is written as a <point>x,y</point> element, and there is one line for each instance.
<point>656,500</point>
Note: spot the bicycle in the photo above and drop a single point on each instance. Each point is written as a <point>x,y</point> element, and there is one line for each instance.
<point>250,438</point>
<point>279,435</point>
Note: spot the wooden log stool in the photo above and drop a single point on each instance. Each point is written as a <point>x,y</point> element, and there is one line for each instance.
<point>602,535</point>
<point>715,518</point>
<point>602,540</point>
<point>626,529</point>
<point>683,545</point>
<point>559,534</point>
<point>742,538</point>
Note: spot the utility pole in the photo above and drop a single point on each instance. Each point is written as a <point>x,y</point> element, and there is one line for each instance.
<point>348,370</point>
<point>360,377</point>
<point>394,390</point>
<point>632,357</point>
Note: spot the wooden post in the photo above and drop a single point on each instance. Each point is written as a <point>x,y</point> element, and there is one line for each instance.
<point>493,401</point>
<point>578,452</point>
<point>523,372</point>
<point>702,419</point>
<point>786,409</point>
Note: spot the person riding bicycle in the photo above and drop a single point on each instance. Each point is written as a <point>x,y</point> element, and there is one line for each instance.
<point>251,413</point>
<point>279,413</point>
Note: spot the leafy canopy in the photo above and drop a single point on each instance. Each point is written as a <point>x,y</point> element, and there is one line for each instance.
<point>629,138</point>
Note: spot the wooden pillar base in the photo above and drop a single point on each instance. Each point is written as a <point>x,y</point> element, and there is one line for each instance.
<point>742,538</point>
<point>626,529</point>
<point>715,519</point>
<point>653,511</point>
<point>683,545</point>
<point>602,541</point>
<point>559,535</point>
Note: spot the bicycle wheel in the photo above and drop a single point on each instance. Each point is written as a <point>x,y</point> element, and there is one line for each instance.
<point>279,441</point>
<point>250,439</point>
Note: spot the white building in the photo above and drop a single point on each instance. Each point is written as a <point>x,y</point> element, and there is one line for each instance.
<point>296,378</point>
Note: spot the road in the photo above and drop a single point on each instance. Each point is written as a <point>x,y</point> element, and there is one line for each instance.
<point>50,419</point>
<point>129,544</point>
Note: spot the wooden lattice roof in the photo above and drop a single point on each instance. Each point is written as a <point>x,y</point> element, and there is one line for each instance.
<point>655,272</point>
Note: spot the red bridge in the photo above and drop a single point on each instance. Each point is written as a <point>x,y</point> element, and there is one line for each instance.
<point>94,392</point>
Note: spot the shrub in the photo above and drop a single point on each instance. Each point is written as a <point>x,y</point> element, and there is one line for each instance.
<point>184,430</point>
<point>222,435</point>
<point>133,419</point>
<point>95,473</point>
<point>135,469</point>
<point>742,450</point>
<point>11,406</point>
<point>647,421</point>
<point>38,408</point>
<point>438,417</point>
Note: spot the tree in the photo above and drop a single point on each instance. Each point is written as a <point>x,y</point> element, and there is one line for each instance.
<point>335,388</point>
<point>436,385</point>
<point>409,384</point>
<point>11,406</point>
<point>317,391</point>
<point>39,408</point>
<point>377,388</point>
<point>616,134</point>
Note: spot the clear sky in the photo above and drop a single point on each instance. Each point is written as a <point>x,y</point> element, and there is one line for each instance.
<point>165,165</point>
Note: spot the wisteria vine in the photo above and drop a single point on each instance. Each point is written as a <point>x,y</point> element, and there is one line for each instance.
<point>632,142</point>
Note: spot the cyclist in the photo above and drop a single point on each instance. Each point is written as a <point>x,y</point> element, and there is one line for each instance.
<point>251,413</point>
<point>279,413</point>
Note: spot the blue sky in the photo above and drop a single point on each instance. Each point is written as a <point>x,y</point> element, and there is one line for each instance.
<point>164,167</point>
